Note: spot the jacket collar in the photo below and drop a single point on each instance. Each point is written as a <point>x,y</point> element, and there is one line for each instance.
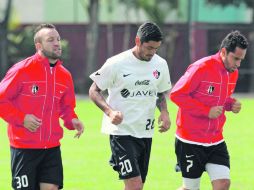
<point>219,61</point>
<point>44,60</point>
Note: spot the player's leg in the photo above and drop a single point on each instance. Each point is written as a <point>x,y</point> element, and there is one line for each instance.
<point>50,170</point>
<point>221,184</point>
<point>47,186</point>
<point>23,166</point>
<point>191,162</point>
<point>218,167</point>
<point>190,184</point>
<point>143,147</point>
<point>126,152</point>
<point>134,183</point>
<point>219,175</point>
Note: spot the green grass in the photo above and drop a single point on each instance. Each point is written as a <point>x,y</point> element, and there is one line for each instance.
<point>86,159</point>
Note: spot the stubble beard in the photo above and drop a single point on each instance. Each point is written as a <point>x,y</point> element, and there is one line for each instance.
<point>51,55</point>
<point>143,58</point>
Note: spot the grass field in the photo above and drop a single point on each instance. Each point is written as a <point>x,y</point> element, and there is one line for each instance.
<point>86,160</point>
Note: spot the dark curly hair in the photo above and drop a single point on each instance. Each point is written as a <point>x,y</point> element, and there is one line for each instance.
<point>149,31</point>
<point>234,39</point>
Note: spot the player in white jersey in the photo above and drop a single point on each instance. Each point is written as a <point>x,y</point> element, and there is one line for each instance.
<point>137,81</point>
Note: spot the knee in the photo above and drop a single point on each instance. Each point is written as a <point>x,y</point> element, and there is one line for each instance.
<point>225,184</point>
<point>44,186</point>
<point>51,188</point>
<point>133,184</point>
<point>222,184</point>
<point>137,187</point>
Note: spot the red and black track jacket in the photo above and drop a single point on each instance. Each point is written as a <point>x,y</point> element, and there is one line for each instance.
<point>33,87</point>
<point>205,84</point>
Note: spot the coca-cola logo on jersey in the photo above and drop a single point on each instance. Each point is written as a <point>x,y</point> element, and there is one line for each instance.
<point>143,82</point>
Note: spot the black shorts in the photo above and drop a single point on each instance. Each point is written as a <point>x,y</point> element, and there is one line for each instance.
<point>130,156</point>
<point>30,167</point>
<point>192,158</point>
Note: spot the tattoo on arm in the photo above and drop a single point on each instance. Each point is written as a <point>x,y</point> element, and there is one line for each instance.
<point>161,102</point>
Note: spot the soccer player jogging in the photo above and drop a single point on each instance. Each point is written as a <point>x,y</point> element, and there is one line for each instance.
<point>203,94</point>
<point>34,94</point>
<point>137,80</point>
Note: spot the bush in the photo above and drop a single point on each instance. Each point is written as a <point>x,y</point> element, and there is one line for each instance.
<point>21,45</point>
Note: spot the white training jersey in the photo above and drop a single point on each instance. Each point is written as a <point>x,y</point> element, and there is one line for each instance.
<point>132,89</point>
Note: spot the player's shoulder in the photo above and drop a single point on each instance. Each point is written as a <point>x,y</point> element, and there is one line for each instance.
<point>202,66</point>
<point>118,58</point>
<point>158,61</point>
<point>22,65</point>
<point>64,70</point>
<point>203,62</point>
<point>158,58</point>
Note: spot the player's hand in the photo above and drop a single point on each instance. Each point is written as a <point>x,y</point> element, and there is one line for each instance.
<point>31,122</point>
<point>78,125</point>
<point>215,112</point>
<point>164,122</point>
<point>236,106</point>
<point>116,117</point>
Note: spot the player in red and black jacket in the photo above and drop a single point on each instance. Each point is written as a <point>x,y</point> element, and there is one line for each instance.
<point>34,94</point>
<point>203,94</point>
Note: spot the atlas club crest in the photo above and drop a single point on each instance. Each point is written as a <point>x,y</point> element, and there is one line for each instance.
<point>156,74</point>
<point>34,89</point>
<point>210,89</point>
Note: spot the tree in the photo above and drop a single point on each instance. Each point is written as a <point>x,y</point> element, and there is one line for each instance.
<point>92,7</point>
<point>250,4</point>
<point>157,11</point>
<point>3,39</point>
<point>110,39</point>
<point>21,45</point>
<point>127,27</point>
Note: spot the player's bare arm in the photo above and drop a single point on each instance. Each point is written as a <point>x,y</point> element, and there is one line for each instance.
<point>96,96</point>
<point>163,120</point>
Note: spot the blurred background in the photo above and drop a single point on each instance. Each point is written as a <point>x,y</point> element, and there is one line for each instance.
<point>93,30</point>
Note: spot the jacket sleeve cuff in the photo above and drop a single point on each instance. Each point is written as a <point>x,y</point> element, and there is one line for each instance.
<point>68,123</point>
<point>228,104</point>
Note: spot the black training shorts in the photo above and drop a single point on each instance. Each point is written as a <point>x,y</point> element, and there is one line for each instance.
<point>30,167</point>
<point>192,158</point>
<point>130,156</point>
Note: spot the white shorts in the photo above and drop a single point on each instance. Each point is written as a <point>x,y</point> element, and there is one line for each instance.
<point>214,171</point>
